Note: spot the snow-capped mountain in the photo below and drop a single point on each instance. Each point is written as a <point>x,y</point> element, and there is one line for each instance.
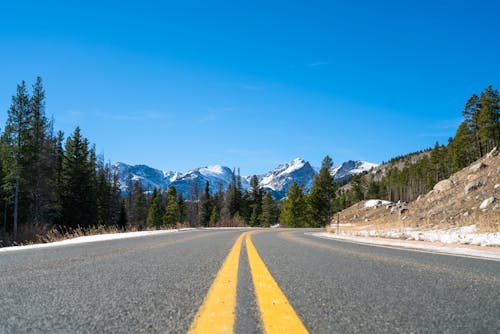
<point>282,177</point>
<point>351,168</point>
<point>276,181</point>
<point>150,178</point>
<point>193,180</point>
<point>216,176</point>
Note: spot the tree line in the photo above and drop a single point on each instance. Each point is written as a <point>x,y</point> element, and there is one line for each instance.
<point>49,180</point>
<point>254,207</point>
<point>410,176</point>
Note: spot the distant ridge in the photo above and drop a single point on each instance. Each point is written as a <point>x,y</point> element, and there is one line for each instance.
<point>276,181</point>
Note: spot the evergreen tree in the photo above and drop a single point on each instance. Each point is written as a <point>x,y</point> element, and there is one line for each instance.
<point>233,198</point>
<point>270,212</point>
<point>214,217</point>
<point>78,184</point>
<point>322,195</point>
<point>295,211</point>
<point>205,210</point>
<point>488,119</point>
<point>182,208</point>
<point>462,147</point>
<point>42,158</point>
<point>16,157</point>
<point>122,218</point>
<point>471,115</point>
<point>139,209</point>
<point>172,212</point>
<point>255,201</point>
<point>156,210</point>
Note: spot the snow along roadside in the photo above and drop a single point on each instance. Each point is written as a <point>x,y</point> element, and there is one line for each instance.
<point>92,238</point>
<point>492,255</point>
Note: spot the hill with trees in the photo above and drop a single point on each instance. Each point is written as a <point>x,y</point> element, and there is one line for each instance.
<point>406,177</point>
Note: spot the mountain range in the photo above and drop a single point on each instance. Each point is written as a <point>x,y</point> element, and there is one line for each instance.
<point>193,181</point>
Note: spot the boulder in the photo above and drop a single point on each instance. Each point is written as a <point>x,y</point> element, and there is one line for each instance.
<point>443,186</point>
<point>487,202</point>
<point>477,167</point>
<point>471,186</point>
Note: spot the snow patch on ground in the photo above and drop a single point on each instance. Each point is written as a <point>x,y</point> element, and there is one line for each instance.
<point>425,247</point>
<point>92,238</point>
<point>376,202</point>
<point>466,235</point>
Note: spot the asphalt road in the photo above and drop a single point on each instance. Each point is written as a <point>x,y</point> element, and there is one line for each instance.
<point>157,284</point>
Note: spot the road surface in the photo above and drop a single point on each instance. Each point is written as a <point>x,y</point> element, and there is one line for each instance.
<point>203,280</point>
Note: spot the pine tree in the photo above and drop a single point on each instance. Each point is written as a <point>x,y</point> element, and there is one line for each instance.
<point>270,212</point>
<point>16,154</point>
<point>182,208</point>
<point>140,207</point>
<point>488,119</point>
<point>205,210</point>
<point>172,212</point>
<point>255,201</point>
<point>42,158</point>
<point>295,210</point>
<point>78,184</point>
<point>322,196</point>
<point>122,218</point>
<point>471,115</point>
<point>214,217</point>
<point>462,147</point>
<point>156,210</point>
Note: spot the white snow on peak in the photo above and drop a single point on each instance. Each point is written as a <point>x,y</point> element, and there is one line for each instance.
<point>364,166</point>
<point>350,168</point>
<point>212,170</point>
<point>281,177</point>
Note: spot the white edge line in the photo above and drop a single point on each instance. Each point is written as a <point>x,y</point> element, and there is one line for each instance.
<point>92,238</point>
<point>468,253</point>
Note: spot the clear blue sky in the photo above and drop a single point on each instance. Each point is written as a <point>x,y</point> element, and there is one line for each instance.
<point>250,84</point>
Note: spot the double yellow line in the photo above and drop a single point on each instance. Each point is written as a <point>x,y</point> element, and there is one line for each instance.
<point>217,314</point>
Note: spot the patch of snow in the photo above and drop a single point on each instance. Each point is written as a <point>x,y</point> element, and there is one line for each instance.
<point>92,238</point>
<point>466,235</point>
<point>402,244</point>
<point>376,202</point>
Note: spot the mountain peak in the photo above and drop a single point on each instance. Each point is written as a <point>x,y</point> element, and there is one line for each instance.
<point>276,181</point>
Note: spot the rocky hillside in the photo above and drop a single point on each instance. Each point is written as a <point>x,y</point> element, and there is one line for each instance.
<point>469,197</point>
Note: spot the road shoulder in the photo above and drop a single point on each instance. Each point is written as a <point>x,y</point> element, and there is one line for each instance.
<point>491,253</point>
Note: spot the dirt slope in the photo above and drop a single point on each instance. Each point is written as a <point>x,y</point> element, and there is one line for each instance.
<point>470,196</point>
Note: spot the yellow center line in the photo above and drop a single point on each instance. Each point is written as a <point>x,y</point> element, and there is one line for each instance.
<point>277,315</point>
<point>218,312</point>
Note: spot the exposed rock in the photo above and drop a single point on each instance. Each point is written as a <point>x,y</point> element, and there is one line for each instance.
<point>487,202</point>
<point>471,186</point>
<point>475,168</point>
<point>443,186</point>
<point>492,153</point>
<point>497,186</point>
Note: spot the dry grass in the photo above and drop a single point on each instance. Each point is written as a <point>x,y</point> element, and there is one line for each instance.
<point>42,234</point>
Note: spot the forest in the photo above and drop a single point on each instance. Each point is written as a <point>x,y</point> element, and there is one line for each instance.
<point>56,184</point>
